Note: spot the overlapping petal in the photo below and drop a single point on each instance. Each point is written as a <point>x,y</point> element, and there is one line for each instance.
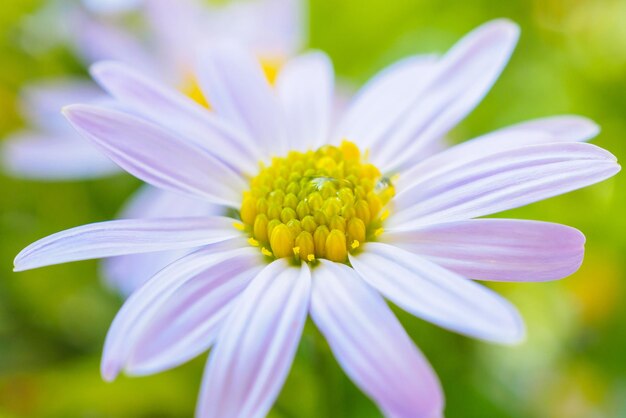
<point>209,266</point>
<point>482,185</point>
<point>256,346</point>
<point>126,236</point>
<point>235,85</point>
<point>156,155</point>
<point>497,249</point>
<point>371,345</point>
<point>305,87</point>
<point>438,295</point>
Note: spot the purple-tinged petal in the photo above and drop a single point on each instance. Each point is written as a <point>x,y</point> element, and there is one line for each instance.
<point>497,249</point>
<point>384,99</point>
<point>187,323</point>
<point>152,100</point>
<point>235,85</point>
<point>127,236</point>
<point>533,132</point>
<point>257,344</point>
<point>210,264</point>
<point>126,273</point>
<point>461,79</point>
<point>305,89</point>
<point>157,156</point>
<point>53,158</point>
<point>438,295</point>
<point>111,6</point>
<point>499,181</point>
<point>371,345</point>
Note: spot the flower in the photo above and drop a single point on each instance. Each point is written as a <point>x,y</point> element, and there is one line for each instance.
<point>52,150</point>
<point>328,223</point>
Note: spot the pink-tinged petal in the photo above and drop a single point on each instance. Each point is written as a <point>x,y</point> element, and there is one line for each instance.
<point>208,265</point>
<point>257,344</point>
<point>371,345</point>
<point>157,156</point>
<point>462,78</point>
<point>152,100</point>
<point>497,249</point>
<point>53,158</point>
<point>380,104</point>
<point>187,323</point>
<point>126,273</point>
<point>305,89</point>
<point>533,132</point>
<point>127,236</point>
<point>235,85</point>
<point>41,102</point>
<point>499,181</point>
<point>440,296</point>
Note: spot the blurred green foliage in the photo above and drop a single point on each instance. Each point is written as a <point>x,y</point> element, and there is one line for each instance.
<point>571,59</point>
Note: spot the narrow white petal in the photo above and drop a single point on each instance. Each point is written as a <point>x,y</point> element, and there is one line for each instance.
<point>438,295</point>
<point>305,89</point>
<point>234,83</point>
<point>371,345</point>
<point>157,156</point>
<point>497,249</point>
<point>128,236</point>
<point>143,306</point>
<point>257,344</point>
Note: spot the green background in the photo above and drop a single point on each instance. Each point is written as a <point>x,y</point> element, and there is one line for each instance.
<point>571,59</point>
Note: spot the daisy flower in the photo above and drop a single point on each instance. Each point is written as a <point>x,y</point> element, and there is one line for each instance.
<point>326,223</point>
<point>51,150</point>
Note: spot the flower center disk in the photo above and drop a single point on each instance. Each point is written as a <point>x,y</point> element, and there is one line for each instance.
<point>316,204</point>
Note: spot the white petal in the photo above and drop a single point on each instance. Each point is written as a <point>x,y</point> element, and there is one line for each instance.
<point>438,295</point>
<point>144,305</point>
<point>305,89</point>
<point>111,6</point>
<point>234,83</point>
<point>533,132</point>
<point>52,158</point>
<point>258,342</point>
<point>461,79</point>
<point>126,273</point>
<point>384,99</point>
<point>371,345</point>
<point>497,249</point>
<point>157,156</point>
<point>128,236</point>
<point>184,116</point>
<point>493,182</point>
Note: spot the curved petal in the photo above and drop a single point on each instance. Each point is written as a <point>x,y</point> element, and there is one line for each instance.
<point>127,236</point>
<point>234,83</point>
<point>497,249</point>
<point>126,273</point>
<point>305,89</point>
<point>51,158</point>
<point>500,181</point>
<point>461,79</point>
<point>184,116</point>
<point>438,295</point>
<point>371,345</point>
<point>384,99</point>
<point>157,156</point>
<point>257,344</point>
<point>533,132</point>
<point>187,323</point>
<point>211,264</point>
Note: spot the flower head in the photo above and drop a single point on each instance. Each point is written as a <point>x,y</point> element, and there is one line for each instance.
<point>326,221</point>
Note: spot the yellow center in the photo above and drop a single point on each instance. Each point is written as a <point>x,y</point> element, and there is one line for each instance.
<point>315,204</point>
